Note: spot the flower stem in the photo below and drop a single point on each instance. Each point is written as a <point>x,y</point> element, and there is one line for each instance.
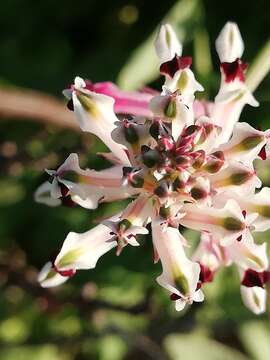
<point>260,68</point>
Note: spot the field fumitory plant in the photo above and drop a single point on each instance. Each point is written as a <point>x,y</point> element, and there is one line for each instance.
<point>183,163</point>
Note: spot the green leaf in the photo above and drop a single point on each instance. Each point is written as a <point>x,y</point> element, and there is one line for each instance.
<point>12,192</point>
<point>255,337</point>
<point>14,330</point>
<point>198,346</point>
<point>142,67</point>
<point>45,352</point>
<point>112,347</point>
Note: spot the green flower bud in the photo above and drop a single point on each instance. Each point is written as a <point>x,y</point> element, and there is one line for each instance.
<point>150,157</point>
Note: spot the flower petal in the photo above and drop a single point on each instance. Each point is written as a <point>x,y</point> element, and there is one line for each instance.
<point>229,43</point>
<point>167,44</point>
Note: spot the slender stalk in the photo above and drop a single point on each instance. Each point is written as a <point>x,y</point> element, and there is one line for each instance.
<point>260,68</point>
<point>21,104</point>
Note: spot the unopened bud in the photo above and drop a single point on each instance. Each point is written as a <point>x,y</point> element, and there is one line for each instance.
<point>178,184</point>
<point>161,191</point>
<point>167,44</point>
<point>229,44</point>
<point>198,193</point>
<point>150,157</point>
<point>154,130</point>
<point>182,161</point>
<point>137,181</point>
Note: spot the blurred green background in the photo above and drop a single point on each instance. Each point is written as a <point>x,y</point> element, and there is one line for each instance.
<point>116,311</point>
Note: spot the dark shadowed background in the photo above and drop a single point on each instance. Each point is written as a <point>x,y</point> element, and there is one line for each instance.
<point>116,311</point>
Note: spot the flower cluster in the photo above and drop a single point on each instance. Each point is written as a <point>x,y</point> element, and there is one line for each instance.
<point>184,163</point>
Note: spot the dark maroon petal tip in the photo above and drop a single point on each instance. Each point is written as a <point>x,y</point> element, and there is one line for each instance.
<point>66,273</point>
<point>67,201</point>
<point>64,189</point>
<point>266,276</point>
<point>206,275</point>
<point>234,70</point>
<point>66,198</point>
<point>199,285</point>
<point>239,238</point>
<point>253,278</point>
<point>175,297</point>
<point>219,155</point>
<point>262,154</point>
<point>70,105</point>
<point>177,63</point>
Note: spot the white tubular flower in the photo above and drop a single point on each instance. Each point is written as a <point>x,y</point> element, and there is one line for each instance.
<point>139,211</point>
<point>210,253</point>
<point>229,44</point>
<point>254,298</point>
<point>95,115</point>
<point>180,275</point>
<point>183,81</point>
<point>245,143</point>
<point>225,224</point>
<point>181,162</point>
<point>92,188</point>
<point>248,255</point>
<point>131,223</point>
<point>125,233</point>
<point>258,204</point>
<point>48,277</point>
<point>174,110</point>
<point>209,134</point>
<point>253,290</point>
<point>233,94</point>
<point>43,195</point>
<point>167,44</point>
<point>227,110</point>
<point>82,251</point>
<point>236,177</point>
